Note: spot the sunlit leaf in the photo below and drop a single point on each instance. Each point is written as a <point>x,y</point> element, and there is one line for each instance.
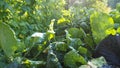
<point>100,22</point>
<point>61,20</point>
<point>111,31</point>
<point>118,30</point>
<point>66,12</point>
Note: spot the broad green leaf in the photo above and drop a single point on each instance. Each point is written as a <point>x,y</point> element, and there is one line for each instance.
<point>75,32</point>
<point>75,42</point>
<point>100,22</point>
<point>72,57</point>
<point>61,46</point>
<point>8,41</point>
<point>82,50</point>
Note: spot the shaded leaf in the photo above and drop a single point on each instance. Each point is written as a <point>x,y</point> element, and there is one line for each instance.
<point>72,57</point>
<point>2,65</point>
<point>75,42</point>
<point>61,46</point>
<point>82,50</point>
<point>75,32</point>
<point>13,65</point>
<point>8,41</point>
<point>52,60</point>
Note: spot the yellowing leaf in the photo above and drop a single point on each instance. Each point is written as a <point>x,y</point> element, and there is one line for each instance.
<point>50,36</point>
<point>108,32</point>
<point>51,29</point>
<point>61,20</point>
<point>66,12</point>
<point>26,62</point>
<point>111,31</point>
<point>118,30</point>
<point>111,21</point>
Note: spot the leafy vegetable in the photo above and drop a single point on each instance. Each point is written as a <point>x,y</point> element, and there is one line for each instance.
<point>52,60</point>
<point>72,58</point>
<point>8,41</point>
<point>100,22</point>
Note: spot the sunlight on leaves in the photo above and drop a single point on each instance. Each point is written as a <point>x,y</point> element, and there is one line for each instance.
<point>66,12</point>
<point>61,20</point>
<point>111,31</point>
<point>100,22</point>
<point>118,30</point>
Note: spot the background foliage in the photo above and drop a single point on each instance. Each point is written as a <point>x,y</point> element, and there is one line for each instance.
<point>54,33</point>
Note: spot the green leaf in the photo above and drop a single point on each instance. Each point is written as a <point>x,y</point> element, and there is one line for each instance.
<point>72,57</point>
<point>85,26</point>
<point>75,32</point>
<point>75,42</point>
<point>100,22</point>
<point>88,40</point>
<point>118,7</point>
<point>82,50</point>
<point>8,41</point>
<point>52,60</point>
<point>97,62</point>
<point>61,46</point>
